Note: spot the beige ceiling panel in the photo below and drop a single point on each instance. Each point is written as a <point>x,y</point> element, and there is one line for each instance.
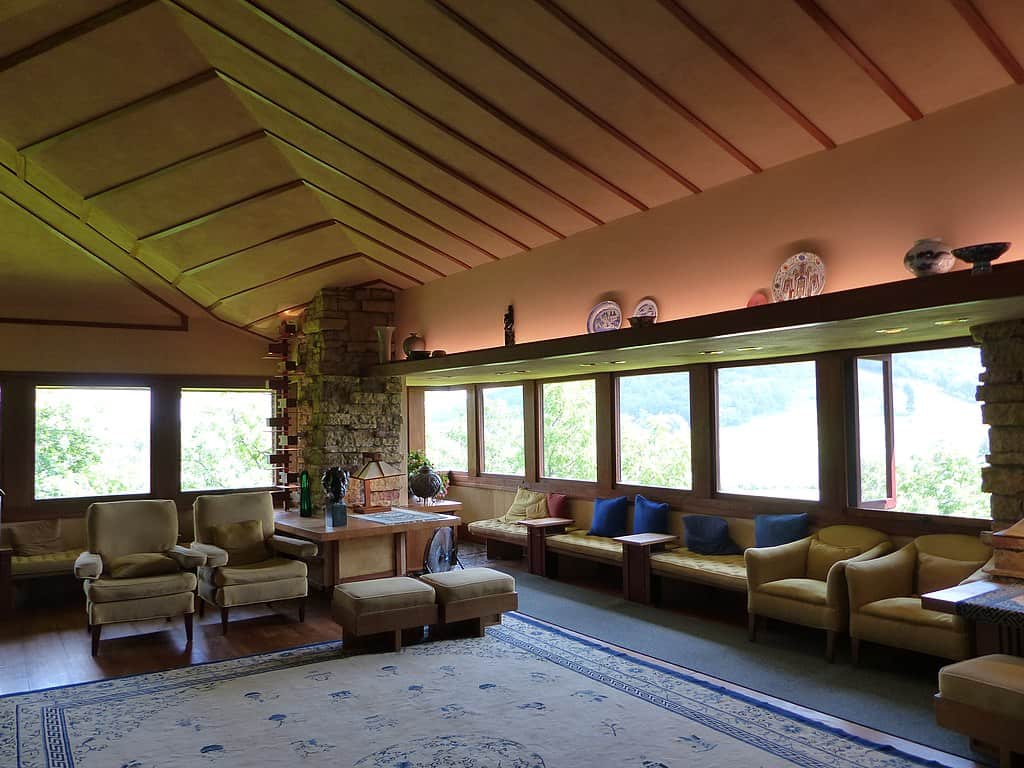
<point>923,46</point>
<point>402,271</point>
<point>149,138</point>
<point>196,189</point>
<point>42,275</point>
<point>650,39</point>
<point>9,156</point>
<point>26,22</point>
<point>316,67</point>
<point>556,124</point>
<point>291,253</point>
<point>54,188</point>
<point>1006,17</point>
<point>240,227</point>
<point>349,190</point>
<point>785,47</point>
<point>131,58</point>
<point>246,307</point>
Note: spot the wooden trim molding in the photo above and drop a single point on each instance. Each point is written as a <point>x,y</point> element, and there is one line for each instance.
<point>979,24</point>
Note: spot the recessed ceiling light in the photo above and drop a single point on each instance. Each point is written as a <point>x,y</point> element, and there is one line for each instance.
<point>951,322</point>
<point>616,362</point>
<point>748,349</point>
<point>587,365</point>
<point>890,330</point>
<point>713,352</point>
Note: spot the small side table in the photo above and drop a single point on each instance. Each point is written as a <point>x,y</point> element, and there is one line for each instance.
<point>994,608</point>
<point>6,582</point>
<point>537,531</point>
<point>636,563</point>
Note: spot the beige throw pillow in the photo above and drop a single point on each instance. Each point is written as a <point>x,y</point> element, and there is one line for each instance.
<point>141,564</point>
<point>821,557</point>
<point>528,505</point>
<point>935,573</point>
<point>39,537</point>
<point>244,542</point>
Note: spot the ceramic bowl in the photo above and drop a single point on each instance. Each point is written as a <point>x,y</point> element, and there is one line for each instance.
<point>418,354</point>
<point>438,353</point>
<point>641,321</point>
<point>981,255</point>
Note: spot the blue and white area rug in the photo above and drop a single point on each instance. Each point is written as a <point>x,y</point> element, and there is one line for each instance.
<point>528,695</point>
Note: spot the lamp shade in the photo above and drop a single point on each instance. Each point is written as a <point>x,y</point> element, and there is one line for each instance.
<point>375,469</point>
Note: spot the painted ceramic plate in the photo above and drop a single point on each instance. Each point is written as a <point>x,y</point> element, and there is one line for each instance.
<point>606,316</point>
<point>800,276</point>
<point>646,308</point>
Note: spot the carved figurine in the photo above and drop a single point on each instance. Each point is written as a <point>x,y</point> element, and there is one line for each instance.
<point>335,482</point>
<point>510,327</point>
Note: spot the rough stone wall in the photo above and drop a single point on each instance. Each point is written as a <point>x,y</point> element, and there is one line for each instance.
<point>343,414</point>
<point>1002,394</point>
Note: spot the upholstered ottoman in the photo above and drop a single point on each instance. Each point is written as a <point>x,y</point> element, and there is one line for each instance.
<point>384,605</point>
<point>984,699</point>
<point>477,595</point>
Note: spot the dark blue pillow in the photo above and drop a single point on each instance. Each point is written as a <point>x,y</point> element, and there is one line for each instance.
<point>707,535</point>
<point>772,530</point>
<point>649,516</point>
<point>609,517</point>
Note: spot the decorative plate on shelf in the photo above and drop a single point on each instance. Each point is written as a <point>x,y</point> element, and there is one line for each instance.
<point>800,276</point>
<point>646,308</point>
<point>606,316</point>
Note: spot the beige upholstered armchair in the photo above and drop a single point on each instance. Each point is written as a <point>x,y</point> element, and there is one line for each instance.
<point>247,562</point>
<point>885,595</point>
<point>804,582</point>
<point>134,569</point>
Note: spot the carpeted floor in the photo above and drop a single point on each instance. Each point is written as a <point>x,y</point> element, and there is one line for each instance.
<point>890,691</point>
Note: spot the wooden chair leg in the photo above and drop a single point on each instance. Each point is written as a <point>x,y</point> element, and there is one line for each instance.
<point>96,638</point>
<point>752,627</point>
<point>480,627</point>
<point>830,645</point>
<point>302,610</point>
<point>396,640</point>
<point>202,606</point>
<point>855,650</point>
<point>223,621</point>
<point>188,629</point>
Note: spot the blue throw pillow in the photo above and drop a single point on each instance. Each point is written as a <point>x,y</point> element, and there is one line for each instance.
<point>772,530</point>
<point>707,535</point>
<point>609,517</point>
<point>649,516</point>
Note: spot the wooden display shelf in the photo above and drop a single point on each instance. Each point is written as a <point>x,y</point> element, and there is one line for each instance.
<point>934,308</point>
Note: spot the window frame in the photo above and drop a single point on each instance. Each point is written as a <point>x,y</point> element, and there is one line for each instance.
<point>854,467</point>
<point>472,453</point>
<point>478,395</point>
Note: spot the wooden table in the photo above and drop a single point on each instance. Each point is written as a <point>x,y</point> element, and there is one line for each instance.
<point>636,563</point>
<point>996,609</point>
<point>417,540</point>
<point>329,537</point>
<point>537,530</point>
<point>6,582</point>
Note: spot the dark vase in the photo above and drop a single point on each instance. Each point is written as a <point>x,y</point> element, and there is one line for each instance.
<point>305,499</point>
<point>337,513</point>
<point>425,483</point>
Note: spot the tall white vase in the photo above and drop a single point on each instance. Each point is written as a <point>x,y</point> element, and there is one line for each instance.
<point>384,335</point>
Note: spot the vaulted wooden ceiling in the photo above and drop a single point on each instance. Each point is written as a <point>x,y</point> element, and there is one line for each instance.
<point>160,158</point>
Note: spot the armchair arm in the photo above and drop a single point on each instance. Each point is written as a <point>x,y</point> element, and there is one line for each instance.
<point>298,548</point>
<point>890,576</point>
<point>786,561</point>
<point>837,591</point>
<point>186,558</point>
<point>88,566</point>
<point>215,556</point>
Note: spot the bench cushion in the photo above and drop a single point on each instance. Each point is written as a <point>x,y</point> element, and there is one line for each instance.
<point>469,583</point>
<point>55,563</point>
<point>726,571</point>
<point>362,597</point>
<point>990,683</point>
<point>580,542</point>
<point>499,529</point>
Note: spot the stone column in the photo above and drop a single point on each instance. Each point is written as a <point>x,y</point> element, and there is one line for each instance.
<point>1002,394</point>
<point>342,413</point>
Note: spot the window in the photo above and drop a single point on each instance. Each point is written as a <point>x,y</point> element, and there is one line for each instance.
<point>928,455</point>
<point>91,441</point>
<point>570,430</point>
<point>654,430</point>
<point>446,437</point>
<point>503,434</point>
<point>768,431</point>
<point>225,439</point>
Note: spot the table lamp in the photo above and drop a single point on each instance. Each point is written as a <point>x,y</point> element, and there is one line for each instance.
<point>374,469</point>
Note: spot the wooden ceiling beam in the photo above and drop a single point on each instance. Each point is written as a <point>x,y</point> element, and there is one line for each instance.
<point>376,162</point>
<point>177,165</point>
<point>259,320</point>
<point>171,90</point>
<point>979,24</point>
<point>563,95</point>
<point>397,203</point>
<point>446,128</point>
<point>285,278</point>
<point>406,144</point>
<point>282,238</point>
<point>861,59</point>
<point>746,71</point>
<point>390,249</point>
<point>71,33</point>
<point>388,267</point>
<point>195,221</point>
<point>666,98</point>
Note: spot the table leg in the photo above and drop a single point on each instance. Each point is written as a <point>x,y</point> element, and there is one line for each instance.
<point>401,565</point>
<point>535,551</point>
<point>330,558</point>
<point>636,573</point>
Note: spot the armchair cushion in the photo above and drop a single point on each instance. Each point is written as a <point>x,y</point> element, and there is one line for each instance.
<point>527,505</point>
<point>286,545</point>
<point>243,541</point>
<point>649,516</point>
<point>215,556</point>
<point>186,558</point>
<point>908,610</point>
<point>811,591</point>
<point>275,569</point>
<point>773,530</point>
<point>708,535</point>
<point>141,564</point>
<point>935,573</point>
<point>39,537</point>
<point>115,590</point>
<point>821,557</point>
<point>88,566</point>
<point>609,517</point>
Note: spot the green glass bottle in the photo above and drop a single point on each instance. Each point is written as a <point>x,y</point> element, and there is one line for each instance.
<point>305,499</point>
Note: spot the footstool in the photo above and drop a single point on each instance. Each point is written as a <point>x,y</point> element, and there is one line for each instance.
<point>477,595</point>
<point>384,605</point>
<point>984,699</point>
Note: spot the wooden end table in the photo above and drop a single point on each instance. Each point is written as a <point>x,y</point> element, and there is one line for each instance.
<point>537,531</point>
<point>636,563</point>
<point>995,609</point>
<point>6,582</point>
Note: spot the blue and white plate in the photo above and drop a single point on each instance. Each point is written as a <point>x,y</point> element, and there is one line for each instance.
<point>606,316</point>
<point>646,308</point>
